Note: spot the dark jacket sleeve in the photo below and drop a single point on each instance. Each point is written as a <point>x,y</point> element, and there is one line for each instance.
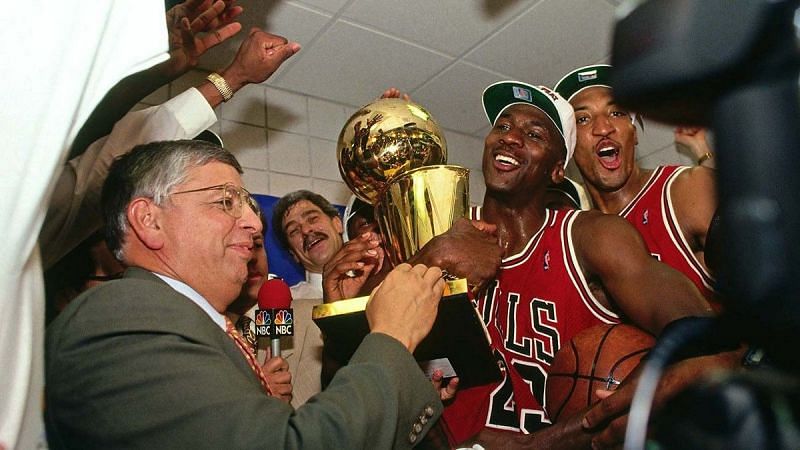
<point>124,370</point>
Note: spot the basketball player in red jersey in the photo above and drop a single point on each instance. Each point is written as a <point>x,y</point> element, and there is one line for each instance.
<point>553,263</point>
<point>671,206</point>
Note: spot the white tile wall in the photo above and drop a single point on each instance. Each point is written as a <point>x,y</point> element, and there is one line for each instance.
<point>323,159</point>
<point>464,150</point>
<point>335,191</point>
<point>281,184</point>
<point>325,119</point>
<point>247,106</point>
<point>247,142</point>
<point>667,155</point>
<point>256,181</point>
<point>288,153</point>
<point>287,111</point>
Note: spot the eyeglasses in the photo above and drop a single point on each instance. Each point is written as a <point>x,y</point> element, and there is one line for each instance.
<point>232,198</point>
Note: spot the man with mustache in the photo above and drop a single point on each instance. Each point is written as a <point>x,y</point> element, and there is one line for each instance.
<point>670,206</point>
<point>310,228</point>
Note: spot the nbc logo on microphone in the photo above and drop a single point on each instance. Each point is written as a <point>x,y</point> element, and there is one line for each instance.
<point>283,325</point>
<point>263,322</point>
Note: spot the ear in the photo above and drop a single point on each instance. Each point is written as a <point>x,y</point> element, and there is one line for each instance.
<point>337,225</point>
<point>145,218</point>
<point>557,174</point>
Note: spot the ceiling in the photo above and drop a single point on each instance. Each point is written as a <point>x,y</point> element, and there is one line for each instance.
<point>442,52</point>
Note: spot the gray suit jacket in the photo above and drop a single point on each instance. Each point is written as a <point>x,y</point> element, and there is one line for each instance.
<point>134,364</point>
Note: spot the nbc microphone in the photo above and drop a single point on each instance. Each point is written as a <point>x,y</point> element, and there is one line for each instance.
<point>274,317</point>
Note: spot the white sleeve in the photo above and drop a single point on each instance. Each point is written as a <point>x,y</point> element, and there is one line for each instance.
<point>73,213</point>
<point>53,84</point>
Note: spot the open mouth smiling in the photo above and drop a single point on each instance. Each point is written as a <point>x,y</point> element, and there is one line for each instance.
<point>504,161</point>
<point>312,241</point>
<point>608,154</point>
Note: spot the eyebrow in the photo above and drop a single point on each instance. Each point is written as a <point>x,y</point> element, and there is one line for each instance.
<point>304,214</point>
<point>585,107</point>
<point>309,212</point>
<point>537,121</point>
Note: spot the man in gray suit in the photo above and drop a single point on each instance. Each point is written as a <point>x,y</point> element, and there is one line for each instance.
<point>145,361</point>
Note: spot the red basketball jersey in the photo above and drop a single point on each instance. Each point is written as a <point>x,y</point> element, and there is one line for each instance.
<point>539,300</point>
<point>652,214</point>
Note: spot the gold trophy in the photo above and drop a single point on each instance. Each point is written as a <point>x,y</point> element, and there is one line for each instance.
<point>393,155</point>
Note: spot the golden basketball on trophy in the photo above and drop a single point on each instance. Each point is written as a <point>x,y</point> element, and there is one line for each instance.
<point>393,155</point>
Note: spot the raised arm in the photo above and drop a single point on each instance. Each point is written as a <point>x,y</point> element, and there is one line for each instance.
<point>193,27</point>
<point>648,292</point>
<point>73,212</point>
<point>693,140</point>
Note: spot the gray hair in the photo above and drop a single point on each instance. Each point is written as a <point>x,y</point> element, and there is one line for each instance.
<point>151,171</point>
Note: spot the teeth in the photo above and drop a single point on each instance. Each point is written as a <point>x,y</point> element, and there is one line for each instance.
<point>607,151</point>
<point>507,160</point>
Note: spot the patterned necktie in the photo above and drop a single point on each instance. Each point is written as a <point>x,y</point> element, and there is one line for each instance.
<point>248,355</point>
<point>243,326</point>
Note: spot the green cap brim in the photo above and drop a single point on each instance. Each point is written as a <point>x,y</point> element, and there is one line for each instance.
<point>499,96</point>
<point>585,77</point>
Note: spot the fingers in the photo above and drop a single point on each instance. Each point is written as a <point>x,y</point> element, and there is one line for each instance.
<point>607,409</point>
<point>450,390</point>
<point>231,13</point>
<point>206,20</point>
<point>432,274</point>
<point>281,389</point>
<point>405,267</point>
<point>603,393</point>
<point>447,392</point>
<point>612,436</point>
<point>284,51</point>
<point>392,92</point>
<point>364,249</point>
<point>220,35</point>
<point>275,364</point>
<point>486,227</point>
<point>193,6</point>
<point>279,379</point>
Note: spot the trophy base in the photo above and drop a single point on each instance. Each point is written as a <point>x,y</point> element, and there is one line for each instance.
<point>458,343</point>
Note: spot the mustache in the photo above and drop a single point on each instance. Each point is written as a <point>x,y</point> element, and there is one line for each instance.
<point>311,237</point>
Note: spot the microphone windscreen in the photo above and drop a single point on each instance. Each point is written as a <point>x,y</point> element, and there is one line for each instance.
<point>274,294</point>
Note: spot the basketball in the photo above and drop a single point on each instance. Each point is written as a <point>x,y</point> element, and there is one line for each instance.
<point>599,357</point>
